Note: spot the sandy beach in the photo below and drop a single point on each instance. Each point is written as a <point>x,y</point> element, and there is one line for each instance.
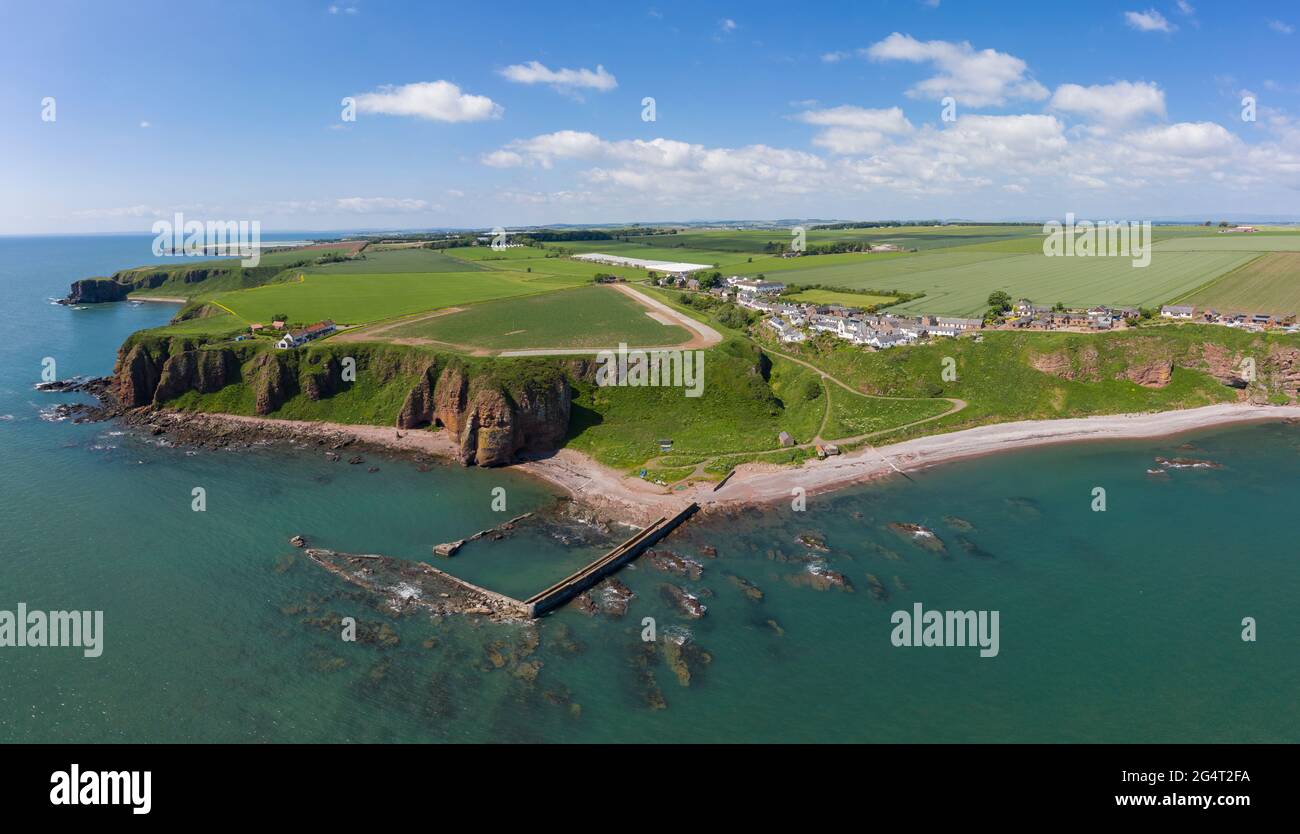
<point>634,500</point>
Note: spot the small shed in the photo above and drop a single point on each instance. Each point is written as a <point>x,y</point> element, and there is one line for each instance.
<point>785,439</point>
<point>665,445</point>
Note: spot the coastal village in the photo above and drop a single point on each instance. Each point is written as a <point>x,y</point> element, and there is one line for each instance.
<point>792,321</point>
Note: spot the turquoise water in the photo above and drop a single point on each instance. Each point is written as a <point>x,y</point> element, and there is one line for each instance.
<point>1115,626</point>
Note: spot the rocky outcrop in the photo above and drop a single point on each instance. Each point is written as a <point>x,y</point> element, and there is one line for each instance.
<point>97,291</point>
<point>1083,366</point>
<point>204,371</point>
<point>1151,374</point>
<point>137,373</point>
<point>321,378</point>
<point>273,382</point>
<point>492,416</point>
<point>492,421</point>
<point>1284,365</point>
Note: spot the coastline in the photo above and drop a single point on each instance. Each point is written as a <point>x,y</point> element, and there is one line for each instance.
<point>633,500</point>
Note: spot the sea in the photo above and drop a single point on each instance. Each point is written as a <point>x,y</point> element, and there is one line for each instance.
<point>1166,612</point>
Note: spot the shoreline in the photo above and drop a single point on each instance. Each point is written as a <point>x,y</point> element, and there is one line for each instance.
<point>633,500</point>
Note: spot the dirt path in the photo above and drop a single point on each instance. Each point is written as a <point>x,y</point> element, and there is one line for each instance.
<point>369,332</point>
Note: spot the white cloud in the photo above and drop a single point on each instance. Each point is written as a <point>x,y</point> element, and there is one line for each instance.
<point>727,25</point>
<point>379,205</point>
<point>1281,26</point>
<point>1186,8</point>
<point>145,124</point>
<point>1030,158</point>
<point>439,101</point>
<point>853,130</point>
<point>1120,102</point>
<point>835,57</point>
<point>974,78</point>
<point>1185,139</point>
<point>1149,21</point>
<point>534,72</point>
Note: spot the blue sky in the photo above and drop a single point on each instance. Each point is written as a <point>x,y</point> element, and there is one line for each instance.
<point>232,110</point>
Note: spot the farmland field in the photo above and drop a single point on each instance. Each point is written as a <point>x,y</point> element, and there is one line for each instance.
<point>586,317</point>
<point>1268,284</point>
<point>566,267</point>
<point>394,261</point>
<point>848,299</point>
<point>359,299</point>
<point>652,253</point>
<point>963,285</point>
<point>755,241</point>
<point>1257,242</point>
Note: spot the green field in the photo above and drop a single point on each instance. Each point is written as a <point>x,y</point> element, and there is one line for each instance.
<point>756,241</point>
<point>586,317</point>
<point>1268,284</point>
<point>652,253</point>
<point>360,299</point>
<point>958,284</point>
<point>394,261</point>
<point>847,299</point>
<point>1234,242</point>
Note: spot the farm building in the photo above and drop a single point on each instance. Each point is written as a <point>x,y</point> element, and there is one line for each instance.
<point>297,338</point>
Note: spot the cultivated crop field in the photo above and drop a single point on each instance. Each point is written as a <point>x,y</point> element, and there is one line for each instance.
<point>755,241</point>
<point>963,289</point>
<point>847,299</point>
<point>1268,284</point>
<point>393,261</point>
<point>586,317</point>
<point>1234,242</point>
<point>359,299</point>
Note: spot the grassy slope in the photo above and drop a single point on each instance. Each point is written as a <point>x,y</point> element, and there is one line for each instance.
<point>1000,384</point>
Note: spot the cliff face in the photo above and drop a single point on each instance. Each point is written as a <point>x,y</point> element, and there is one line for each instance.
<point>97,291</point>
<point>492,420</point>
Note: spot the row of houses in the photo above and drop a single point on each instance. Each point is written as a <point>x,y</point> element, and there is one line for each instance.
<point>1245,321</point>
<point>1041,317</point>
<point>794,322</point>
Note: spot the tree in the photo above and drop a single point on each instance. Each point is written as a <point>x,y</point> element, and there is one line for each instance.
<point>1000,301</point>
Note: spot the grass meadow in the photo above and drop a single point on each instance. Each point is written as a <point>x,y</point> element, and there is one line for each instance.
<point>585,317</point>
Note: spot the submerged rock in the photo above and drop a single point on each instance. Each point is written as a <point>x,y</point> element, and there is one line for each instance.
<point>877,588</point>
<point>1187,463</point>
<point>959,524</point>
<point>821,578</point>
<point>685,602</point>
<point>1026,509</point>
<point>973,549</point>
<point>672,563</point>
<point>813,541</point>
<point>922,537</point>
<point>751,591</point>
<point>612,597</point>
